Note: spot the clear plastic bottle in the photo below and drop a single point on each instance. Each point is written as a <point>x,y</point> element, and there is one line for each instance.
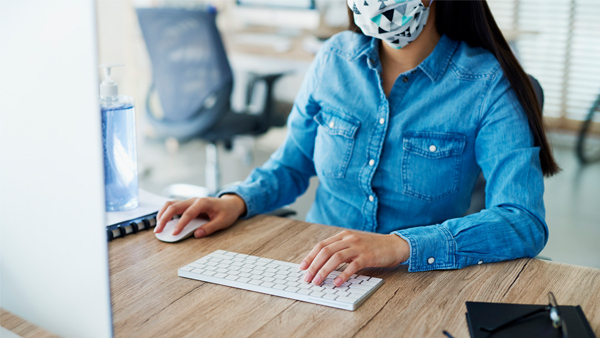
<point>119,143</point>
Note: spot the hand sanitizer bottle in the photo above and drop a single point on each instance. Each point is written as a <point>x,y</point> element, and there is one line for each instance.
<point>120,156</point>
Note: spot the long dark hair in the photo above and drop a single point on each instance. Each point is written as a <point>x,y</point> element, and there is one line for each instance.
<point>473,22</point>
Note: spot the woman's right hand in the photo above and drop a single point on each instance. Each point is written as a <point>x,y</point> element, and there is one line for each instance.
<point>222,213</point>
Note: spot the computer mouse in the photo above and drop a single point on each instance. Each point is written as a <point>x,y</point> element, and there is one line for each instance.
<point>167,234</point>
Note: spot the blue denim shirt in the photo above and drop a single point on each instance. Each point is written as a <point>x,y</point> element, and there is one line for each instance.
<point>407,164</point>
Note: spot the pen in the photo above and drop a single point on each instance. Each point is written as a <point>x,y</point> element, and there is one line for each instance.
<point>447,334</point>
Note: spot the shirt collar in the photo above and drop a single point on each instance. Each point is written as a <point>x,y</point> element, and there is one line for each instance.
<point>434,66</point>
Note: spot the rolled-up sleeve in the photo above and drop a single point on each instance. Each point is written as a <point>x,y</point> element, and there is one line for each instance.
<point>512,225</point>
<point>286,174</point>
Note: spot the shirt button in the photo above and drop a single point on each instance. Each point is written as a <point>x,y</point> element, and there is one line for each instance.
<point>371,198</point>
<point>480,262</point>
<point>381,120</point>
<point>430,260</point>
<point>432,148</point>
<point>331,124</point>
<point>371,162</point>
<point>405,79</point>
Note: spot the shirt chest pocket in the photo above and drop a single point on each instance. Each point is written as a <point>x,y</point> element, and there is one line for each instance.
<point>334,143</point>
<point>431,164</point>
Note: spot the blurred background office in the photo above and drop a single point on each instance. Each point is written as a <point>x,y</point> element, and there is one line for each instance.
<point>558,42</point>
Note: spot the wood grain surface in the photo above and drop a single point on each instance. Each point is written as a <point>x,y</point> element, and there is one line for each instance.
<point>22,327</point>
<point>150,300</point>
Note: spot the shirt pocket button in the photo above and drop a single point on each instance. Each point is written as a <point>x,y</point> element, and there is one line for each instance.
<point>432,148</point>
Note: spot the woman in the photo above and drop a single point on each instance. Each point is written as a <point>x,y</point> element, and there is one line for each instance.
<point>398,133</point>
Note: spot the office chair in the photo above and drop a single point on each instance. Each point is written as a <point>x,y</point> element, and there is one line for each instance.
<point>478,195</point>
<point>193,81</point>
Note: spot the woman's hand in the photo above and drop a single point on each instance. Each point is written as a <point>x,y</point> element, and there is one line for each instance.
<point>222,212</point>
<point>359,249</point>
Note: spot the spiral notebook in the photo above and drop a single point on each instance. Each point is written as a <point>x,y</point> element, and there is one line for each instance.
<point>123,223</point>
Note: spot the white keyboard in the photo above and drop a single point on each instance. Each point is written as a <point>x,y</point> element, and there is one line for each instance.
<point>279,278</point>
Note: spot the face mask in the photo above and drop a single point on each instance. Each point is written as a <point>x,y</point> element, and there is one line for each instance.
<point>397,22</point>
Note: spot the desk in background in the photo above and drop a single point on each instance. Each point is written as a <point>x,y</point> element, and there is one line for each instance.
<point>150,300</point>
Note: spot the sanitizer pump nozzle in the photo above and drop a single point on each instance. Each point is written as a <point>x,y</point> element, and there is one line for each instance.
<point>108,87</point>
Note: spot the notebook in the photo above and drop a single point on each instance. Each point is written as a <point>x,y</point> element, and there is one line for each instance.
<point>123,223</point>
<point>494,314</point>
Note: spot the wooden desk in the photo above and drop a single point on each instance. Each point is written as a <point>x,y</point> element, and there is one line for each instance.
<point>150,300</point>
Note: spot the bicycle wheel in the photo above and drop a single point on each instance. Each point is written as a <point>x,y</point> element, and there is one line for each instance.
<point>588,149</point>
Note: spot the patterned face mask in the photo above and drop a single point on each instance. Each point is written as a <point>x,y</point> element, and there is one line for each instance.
<point>397,22</point>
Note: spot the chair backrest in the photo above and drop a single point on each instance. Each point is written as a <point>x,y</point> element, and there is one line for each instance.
<point>190,70</point>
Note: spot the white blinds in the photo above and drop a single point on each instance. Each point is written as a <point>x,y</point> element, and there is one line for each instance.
<point>559,44</point>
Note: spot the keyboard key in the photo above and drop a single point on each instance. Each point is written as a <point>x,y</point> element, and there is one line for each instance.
<point>268,284</point>
<point>292,289</point>
<point>255,281</point>
<point>330,296</point>
<point>345,299</point>
<point>279,286</point>
<point>353,296</point>
<point>304,291</point>
<point>220,275</point>
<point>317,294</point>
<point>368,283</point>
<point>243,280</point>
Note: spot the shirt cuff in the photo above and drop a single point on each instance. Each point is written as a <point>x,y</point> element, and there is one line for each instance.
<point>431,248</point>
<point>237,190</point>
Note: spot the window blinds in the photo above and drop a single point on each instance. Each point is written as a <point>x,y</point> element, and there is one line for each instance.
<point>558,43</point>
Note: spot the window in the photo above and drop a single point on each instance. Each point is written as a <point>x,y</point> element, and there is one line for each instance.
<point>558,42</point>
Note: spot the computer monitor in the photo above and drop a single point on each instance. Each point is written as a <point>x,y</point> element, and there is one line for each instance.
<point>53,245</point>
<point>295,14</point>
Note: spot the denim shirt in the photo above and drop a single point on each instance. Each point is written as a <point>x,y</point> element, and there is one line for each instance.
<point>407,164</point>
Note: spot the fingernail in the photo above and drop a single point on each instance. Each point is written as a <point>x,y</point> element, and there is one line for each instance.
<point>308,277</point>
<point>303,265</point>
<point>338,281</point>
<point>318,279</point>
<point>200,233</point>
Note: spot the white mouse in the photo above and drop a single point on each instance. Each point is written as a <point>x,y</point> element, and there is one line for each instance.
<point>166,234</point>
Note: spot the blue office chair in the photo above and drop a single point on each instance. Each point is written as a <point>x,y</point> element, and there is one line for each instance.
<point>193,81</point>
<point>478,196</point>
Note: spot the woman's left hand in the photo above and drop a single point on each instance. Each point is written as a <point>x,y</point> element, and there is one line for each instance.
<point>359,249</point>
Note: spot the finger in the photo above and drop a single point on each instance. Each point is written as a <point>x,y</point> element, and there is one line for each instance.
<point>307,261</point>
<point>164,207</point>
<point>350,270</point>
<point>172,210</point>
<point>160,225</point>
<point>323,256</point>
<point>215,224</point>
<point>334,261</point>
<point>189,214</point>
